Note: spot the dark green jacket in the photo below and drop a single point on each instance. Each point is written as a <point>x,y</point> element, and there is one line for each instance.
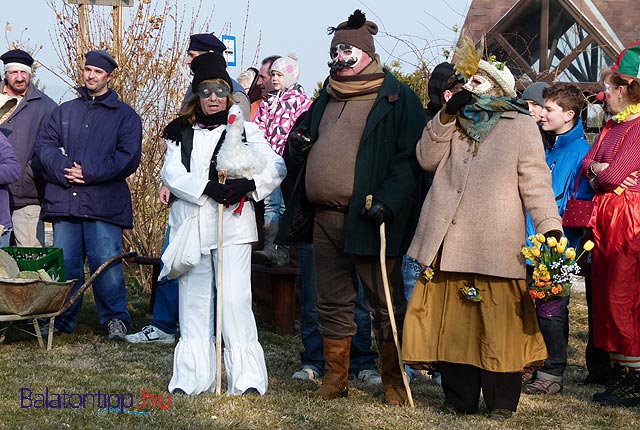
<point>386,167</point>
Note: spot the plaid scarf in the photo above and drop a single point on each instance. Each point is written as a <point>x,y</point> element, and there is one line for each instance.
<point>478,118</point>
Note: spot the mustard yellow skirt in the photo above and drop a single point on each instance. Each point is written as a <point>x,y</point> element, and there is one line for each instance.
<point>500,333</point>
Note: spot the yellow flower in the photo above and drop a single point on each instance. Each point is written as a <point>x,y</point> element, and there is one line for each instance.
<point>535,252</point>
<point>551,241</point>
<point>541,238</point>
<point>560,247</point>
<point>564,241</point>
<point>570,253</point>
<point>588,245</point>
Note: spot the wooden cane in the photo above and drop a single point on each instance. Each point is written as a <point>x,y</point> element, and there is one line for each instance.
<point>387,294</point>
<point>222,178</point>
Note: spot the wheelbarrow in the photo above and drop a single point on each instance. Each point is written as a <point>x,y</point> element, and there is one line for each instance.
<point>28,299</point>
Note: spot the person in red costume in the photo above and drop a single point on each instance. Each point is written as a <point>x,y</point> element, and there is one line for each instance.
<point>611,167</point>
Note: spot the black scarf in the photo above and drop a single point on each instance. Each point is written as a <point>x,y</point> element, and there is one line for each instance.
<point>219,118</point>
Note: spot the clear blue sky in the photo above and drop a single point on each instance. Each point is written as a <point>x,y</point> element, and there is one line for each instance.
<point>285,25</point>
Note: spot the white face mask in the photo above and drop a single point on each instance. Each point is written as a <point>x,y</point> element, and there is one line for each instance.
<point>478,84</point>
<point>344,56</point>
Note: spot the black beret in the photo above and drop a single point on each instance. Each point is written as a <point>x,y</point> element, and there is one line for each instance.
<point>209,66</point>
<point>17,56</point>
<point>205,42</point>
<point>100,59</point>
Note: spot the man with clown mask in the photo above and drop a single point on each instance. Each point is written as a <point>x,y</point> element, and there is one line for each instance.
<point>357,139</point>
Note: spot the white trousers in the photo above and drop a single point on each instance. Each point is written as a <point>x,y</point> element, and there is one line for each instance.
<point>25,224</point>
<point>194,360</point>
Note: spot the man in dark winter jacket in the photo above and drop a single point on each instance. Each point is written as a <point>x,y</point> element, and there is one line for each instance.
<point>23,109</point>
<point>86,151</point>
<point>359,139</point>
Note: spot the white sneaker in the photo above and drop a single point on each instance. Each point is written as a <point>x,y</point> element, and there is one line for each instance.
<point>305,374</point>
<point>369,376</point>
<point>150,334</point>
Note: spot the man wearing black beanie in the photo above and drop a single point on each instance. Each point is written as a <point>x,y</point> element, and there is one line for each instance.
<point>85,152</point>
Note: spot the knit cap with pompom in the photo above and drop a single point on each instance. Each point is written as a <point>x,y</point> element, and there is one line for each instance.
<point>288,67</point>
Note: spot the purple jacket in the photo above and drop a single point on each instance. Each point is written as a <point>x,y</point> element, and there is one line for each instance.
<point>24,123</point>
<point>10,172</point>
<point>104,136</point>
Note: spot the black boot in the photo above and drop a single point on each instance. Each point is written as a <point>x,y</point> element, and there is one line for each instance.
<point>623,389</point>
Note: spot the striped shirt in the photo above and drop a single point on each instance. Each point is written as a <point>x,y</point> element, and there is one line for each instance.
<point>620,148</point>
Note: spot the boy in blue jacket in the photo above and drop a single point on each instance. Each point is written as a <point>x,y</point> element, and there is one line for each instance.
<point>560,116</point>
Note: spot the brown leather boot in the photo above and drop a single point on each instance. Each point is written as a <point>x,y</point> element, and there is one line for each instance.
<point>394,391</point>
<point>336,365</point>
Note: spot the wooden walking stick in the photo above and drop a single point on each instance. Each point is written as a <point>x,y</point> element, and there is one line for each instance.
<point>222,178</point>
<point>387,294</point>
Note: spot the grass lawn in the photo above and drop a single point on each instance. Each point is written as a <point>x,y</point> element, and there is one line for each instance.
<point>85,363</point>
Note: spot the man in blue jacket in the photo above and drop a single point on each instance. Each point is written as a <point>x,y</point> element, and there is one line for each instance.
<point>86,151</point>
<point>23,110</point>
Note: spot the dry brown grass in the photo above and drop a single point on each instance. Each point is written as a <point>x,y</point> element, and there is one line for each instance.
<point>86,362</point>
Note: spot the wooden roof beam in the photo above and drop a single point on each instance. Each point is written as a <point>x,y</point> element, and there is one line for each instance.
<point>515,56</point>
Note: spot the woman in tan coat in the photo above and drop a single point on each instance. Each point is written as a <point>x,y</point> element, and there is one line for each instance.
<point>474,318</point>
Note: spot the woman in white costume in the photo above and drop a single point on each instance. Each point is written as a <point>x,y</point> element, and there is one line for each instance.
<point>193,142</point>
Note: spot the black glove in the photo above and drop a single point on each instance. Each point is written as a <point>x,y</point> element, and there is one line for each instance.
<point>378,213</point>
<point>238,188</point>
<point>216,191</point>
<point>556,234</point>
<point>299,144</point>
<point>457,102</point>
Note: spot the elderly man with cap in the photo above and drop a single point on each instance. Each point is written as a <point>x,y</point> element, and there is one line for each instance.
<point>358,139</point>
<point>23,109</point>
<point>86,151</point>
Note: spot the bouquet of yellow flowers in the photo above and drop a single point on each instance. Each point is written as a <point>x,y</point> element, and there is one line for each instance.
<point>553,264</point>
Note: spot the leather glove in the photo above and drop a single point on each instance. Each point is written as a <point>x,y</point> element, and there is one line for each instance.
<point>378,213</point>
<point>216,191</point>
<point>299,144</point>
<point>556,234</point>
<point>238,188</point>
<point>458,101</point>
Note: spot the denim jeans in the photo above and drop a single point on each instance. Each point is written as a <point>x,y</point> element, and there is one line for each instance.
<point>362,356</point>
<point>273,207</point>
<point>555,330</point>
<point>165,307</point>
<point>95,241</point>
<point>410,274</point>
<point>5,238</point>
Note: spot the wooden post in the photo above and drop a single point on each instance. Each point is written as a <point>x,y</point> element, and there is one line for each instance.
<point>118,31</point>
<point>83,30</point>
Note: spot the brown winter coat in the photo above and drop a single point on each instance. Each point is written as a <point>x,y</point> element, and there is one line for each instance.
<point>476,207</point>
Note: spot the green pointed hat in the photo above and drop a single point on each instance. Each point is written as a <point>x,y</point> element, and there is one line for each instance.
<point>628,63</point>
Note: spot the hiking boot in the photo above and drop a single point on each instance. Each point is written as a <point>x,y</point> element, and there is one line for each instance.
<point>150,334</point>
<point>543,386</point>
<point>116,329</point>
<point>44,329</point>
<point>305,374</point>
<point>271,254</point>
<point>370,376</point>
<point>3,329</point>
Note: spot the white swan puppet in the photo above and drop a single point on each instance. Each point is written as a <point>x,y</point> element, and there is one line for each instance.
<point>239,159</point>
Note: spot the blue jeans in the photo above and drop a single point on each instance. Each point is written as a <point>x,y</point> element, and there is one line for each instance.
<point>5,238</point>
<point>165,307</point>
<point>95,241</point>
<point>555,330</point>
<point>273,207</point>
<point>362,356</point>
<point>410,274</point>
